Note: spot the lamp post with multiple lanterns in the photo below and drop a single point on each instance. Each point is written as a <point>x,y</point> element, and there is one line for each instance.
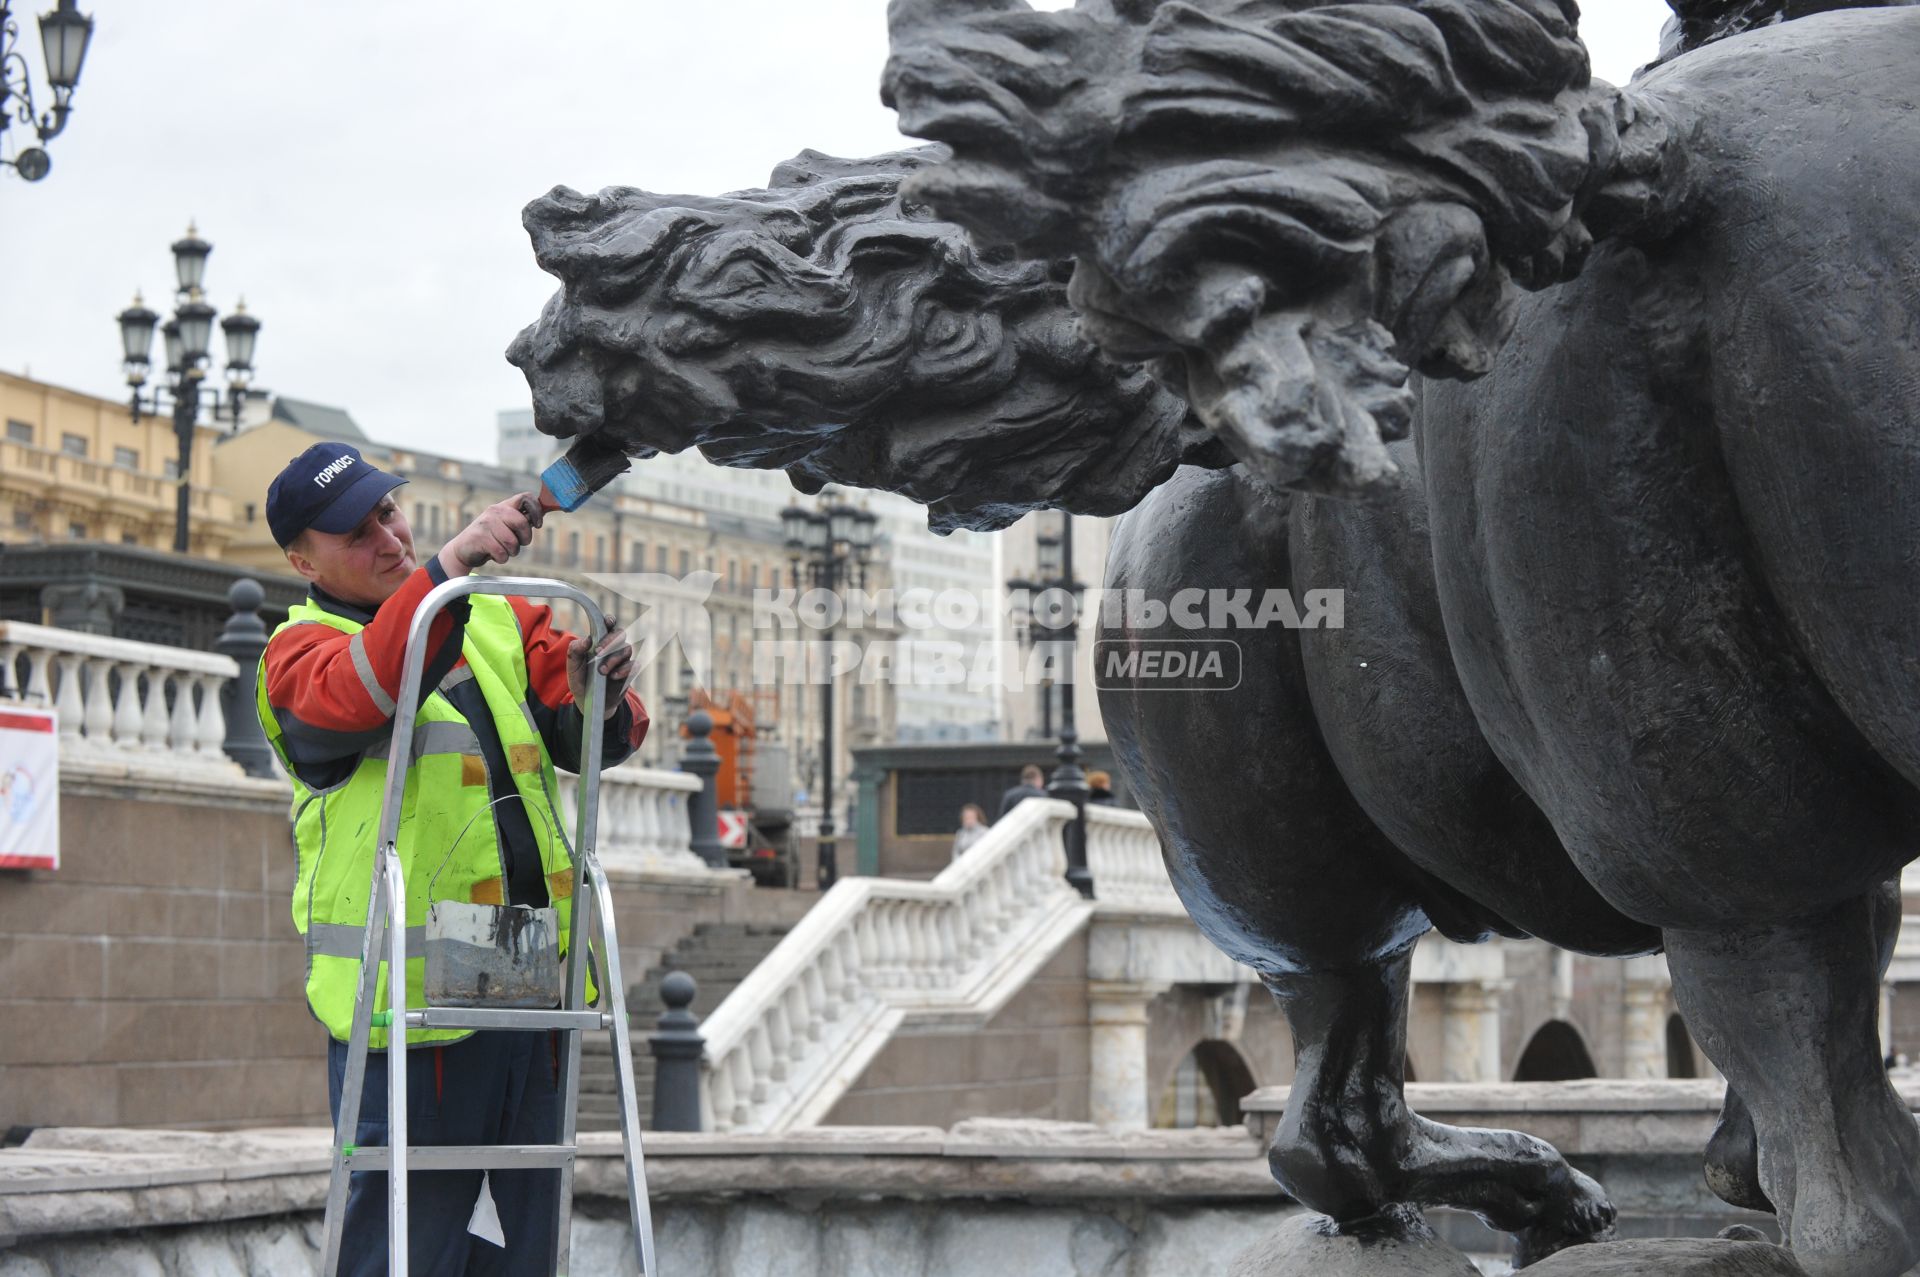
<point>1048,610</point>
<point>187,336</point>
<point>1022,591</point>
<point>64,35</point>
<point>828,548</point>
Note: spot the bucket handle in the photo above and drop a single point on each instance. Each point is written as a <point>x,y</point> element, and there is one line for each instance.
<point>552,836</point>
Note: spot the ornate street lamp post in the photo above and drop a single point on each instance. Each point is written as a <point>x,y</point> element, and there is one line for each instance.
<point>65,33</point>
<point>187,336</point>
<point>828,547</point>
<point>1048,610</point>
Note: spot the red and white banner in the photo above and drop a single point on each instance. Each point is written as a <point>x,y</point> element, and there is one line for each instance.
<point>29,789</point>
<point>733,829</point>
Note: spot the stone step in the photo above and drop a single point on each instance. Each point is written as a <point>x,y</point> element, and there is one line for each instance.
<point>718,956</point>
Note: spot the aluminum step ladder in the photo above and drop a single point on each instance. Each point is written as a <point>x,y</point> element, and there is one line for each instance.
<point>574,1016</point>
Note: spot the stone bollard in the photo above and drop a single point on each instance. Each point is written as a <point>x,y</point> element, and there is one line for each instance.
<point>676,1047</point>
<point>244,639</point>
<point>703,809</point>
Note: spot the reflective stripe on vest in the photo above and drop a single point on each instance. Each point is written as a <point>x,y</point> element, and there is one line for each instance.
<point>335,829</point>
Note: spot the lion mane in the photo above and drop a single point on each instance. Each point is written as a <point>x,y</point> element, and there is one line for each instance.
<point>831,328</point>
<point>1285,204</point>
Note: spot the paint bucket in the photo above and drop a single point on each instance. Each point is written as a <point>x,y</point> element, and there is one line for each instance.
<point>492,956</point>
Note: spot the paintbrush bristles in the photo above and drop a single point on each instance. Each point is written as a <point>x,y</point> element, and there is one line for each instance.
<point>590,465</point>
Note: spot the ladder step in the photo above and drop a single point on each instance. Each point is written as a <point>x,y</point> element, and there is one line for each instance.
<point>462,1157</point>
<point>490,1018</point>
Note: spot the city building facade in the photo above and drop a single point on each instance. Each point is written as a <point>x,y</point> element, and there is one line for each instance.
<point>76,467</point>
<point>1033,708</point>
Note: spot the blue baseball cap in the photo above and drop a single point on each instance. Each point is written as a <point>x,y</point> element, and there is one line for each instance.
<point>330,487</point>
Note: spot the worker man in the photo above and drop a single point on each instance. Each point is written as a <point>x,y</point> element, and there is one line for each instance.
<point>499,710</point>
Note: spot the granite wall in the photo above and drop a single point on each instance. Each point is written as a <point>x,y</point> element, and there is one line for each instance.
<point>155,979</point>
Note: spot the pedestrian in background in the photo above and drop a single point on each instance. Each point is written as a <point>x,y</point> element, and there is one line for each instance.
<point>1100,788</point>
<point>1032,782</point>
<point>973,827</point>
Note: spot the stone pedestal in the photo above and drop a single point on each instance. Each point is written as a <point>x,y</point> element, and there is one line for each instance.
<point>1670,1257</point>
<point>1308,1246</point>
<point>1470,1032</point>
<point>1117,1042</point>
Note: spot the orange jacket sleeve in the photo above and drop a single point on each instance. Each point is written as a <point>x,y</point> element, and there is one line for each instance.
<point>551,697</point>
<point>346,683</point>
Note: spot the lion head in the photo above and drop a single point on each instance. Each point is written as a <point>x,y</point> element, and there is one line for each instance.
<point>831,328</point>
<point>1286,204</point>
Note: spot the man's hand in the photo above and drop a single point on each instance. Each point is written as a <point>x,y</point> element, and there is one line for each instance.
<point>616,662</point>
<point>495,537</point>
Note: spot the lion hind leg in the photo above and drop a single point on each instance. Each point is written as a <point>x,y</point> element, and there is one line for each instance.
<point>1349,1147</point>
<point>1789,1011</point>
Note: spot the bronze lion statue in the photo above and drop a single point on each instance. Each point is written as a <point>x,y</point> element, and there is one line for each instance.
<point>1658,352</point>
<point>1625,381</point>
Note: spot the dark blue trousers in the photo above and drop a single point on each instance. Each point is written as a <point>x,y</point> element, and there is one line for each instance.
<point>490,1088</point>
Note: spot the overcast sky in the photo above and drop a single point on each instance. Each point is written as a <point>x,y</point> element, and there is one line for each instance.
<point>360,166</point>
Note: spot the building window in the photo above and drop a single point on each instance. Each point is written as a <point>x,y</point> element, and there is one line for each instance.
<point>638,559</point>
<point>753,576</point>
<point>660,558</point>
<point>251,512</point>
<point>74,445</point>
<point>686,562</point>
<point>23,519</point>
<point>19,431</point>
<point>126,458</point>
<point>78,531</point>
<point>129,538</point>
<point>573,549</point>
<point>599,554</point>
<point>170,468</point>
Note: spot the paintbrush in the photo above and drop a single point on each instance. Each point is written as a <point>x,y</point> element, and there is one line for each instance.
<point>590,465</point>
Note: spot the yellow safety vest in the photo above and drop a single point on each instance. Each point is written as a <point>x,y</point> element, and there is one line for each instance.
<point>451,833</point>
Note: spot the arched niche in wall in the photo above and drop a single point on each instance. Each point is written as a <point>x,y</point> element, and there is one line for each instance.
<point>1206,1088</point>
<point>1556,1053</point>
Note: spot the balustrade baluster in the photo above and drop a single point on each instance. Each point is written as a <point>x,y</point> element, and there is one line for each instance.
<point>39,687</point>
<point>760,1060</point>
<point>182,723</point>
<point>866,944</point>
<point>926,953</point>
<point>97,714</point>
<point>800,1017</point>
<point>740,1069</point>
<point>779,1040</point>
<point>967,940</point>
<point>153,723</point>
<point>720,1099</point>
<point>814,995</point>
<point>213,721</point>
<point>127,715</point>
<point>899,946</point>
<point>947,948</point>
<point>833,982</point>
<point>10,684</point>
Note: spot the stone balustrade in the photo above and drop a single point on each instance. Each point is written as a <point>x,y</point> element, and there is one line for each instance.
<point>643,819</point>
<point>876,952</point>
<point>1129,873</point>
<point>119,701</point>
